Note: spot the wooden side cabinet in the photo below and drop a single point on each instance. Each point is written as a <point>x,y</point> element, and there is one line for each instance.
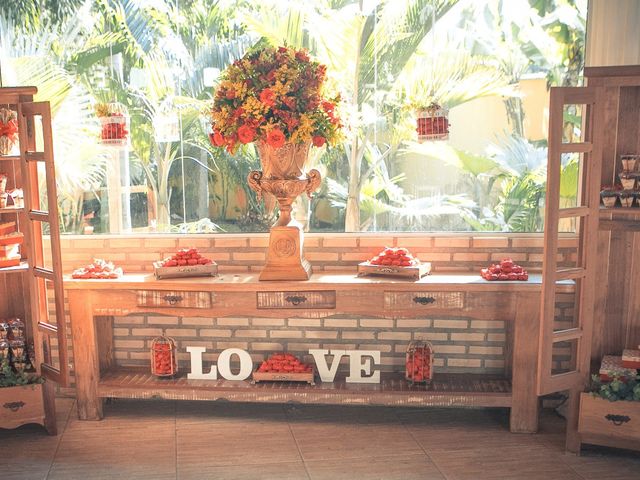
<point>612,424</point>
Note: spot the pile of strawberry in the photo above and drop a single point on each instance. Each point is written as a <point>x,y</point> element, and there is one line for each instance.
<point>284,363</point>
<point>162,363</point>
<point>98,269</point>
<point>185,256</point>
<point>399,257</point>
<point>418,366</point>
<point>505,270</point>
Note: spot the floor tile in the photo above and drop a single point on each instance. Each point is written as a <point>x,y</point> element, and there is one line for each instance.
<point>201,447</point>
<point>400,467</point>
<point>331,440</point>
<point>269,471</point>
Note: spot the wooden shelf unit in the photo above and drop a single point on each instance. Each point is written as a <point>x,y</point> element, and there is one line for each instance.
<point>447,390</point>
<point>25,287</point>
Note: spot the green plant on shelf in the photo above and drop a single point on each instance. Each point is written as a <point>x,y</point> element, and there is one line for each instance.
<point>11,378</point>
<point>627,388</point>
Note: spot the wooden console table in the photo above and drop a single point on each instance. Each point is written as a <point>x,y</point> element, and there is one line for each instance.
<point>93,303</point>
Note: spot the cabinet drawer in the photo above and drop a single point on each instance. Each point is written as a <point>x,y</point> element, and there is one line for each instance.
<point>423,300</point>
<point>299,300</point>
<point>609,419</point>
<point>164,298</point>
<point>20,405</point>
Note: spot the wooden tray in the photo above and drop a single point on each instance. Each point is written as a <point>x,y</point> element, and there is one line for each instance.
<point>161,272</point>
<point>415,272</point>
<point>308,377</point>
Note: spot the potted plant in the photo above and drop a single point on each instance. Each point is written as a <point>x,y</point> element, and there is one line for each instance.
<point>21,400</point>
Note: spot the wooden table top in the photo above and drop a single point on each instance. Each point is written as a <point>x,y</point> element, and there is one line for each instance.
<point>229,281</point>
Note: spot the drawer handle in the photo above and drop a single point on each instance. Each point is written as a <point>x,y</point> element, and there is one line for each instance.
<point>173,299</point>
<point>424,300</point>
<point>296,299</point>
<point>14,406</point>
<point>617,420</point>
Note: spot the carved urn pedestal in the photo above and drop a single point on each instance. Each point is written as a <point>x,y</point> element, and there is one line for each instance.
<point>283,176</point>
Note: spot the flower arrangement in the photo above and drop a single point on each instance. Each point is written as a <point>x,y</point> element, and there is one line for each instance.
<point>115,123</point>
<point>617,389</point>
<point>274,95</point>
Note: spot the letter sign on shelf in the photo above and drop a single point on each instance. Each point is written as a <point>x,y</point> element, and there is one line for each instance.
<point>358,365</point>
<point>196,366</point>
<point>224,364</point>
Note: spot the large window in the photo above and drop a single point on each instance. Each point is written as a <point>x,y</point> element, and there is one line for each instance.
<point>488,63</point>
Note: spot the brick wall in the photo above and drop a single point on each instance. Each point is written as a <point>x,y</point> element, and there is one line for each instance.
<point>327,252</point>
<point>461,345</point>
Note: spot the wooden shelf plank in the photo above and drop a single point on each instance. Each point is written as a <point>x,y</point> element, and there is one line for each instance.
<point>9,157</point>
<point>447,390</point>
<point>12,209</point>
<point>619,212</point>
<point>24,266</point>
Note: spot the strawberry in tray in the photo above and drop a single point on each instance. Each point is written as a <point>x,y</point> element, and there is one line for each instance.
<point>99,269</point>
<point>505,270</point>
<point>184,257</point>
<point>284,363</point>
<point>394,256</point>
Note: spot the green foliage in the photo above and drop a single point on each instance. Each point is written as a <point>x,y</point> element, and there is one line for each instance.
<point>11,378</point>
<point>617,389</point>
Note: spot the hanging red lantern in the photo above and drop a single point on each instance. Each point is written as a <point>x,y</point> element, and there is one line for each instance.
<point>163,356</point>
<point>115,121</point>
<point>419,362</point>
<point>433,123</point>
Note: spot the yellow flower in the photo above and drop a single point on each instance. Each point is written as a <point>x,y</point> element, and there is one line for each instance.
<point>304,131</point>
<point>280,89</point>
<point>254,107</point>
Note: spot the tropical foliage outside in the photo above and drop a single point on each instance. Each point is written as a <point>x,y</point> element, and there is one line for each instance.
<point>162,60</point>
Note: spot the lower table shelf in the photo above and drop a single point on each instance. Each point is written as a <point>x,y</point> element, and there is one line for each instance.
<point>447,390</point>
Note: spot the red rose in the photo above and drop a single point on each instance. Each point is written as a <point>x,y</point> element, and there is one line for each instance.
<point>318,141</point>
<point>328,107</point>
<point>282,49</point>
<point>268,97</point>
<point>231,94</point>
<point>238,112</point>
<point>302,56</point>
<point>216,138</point>
<point>246,134</point>
<point>275,138</point>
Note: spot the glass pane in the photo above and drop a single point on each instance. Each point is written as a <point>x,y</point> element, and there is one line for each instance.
<point>572,117</point>
<point>564,357</point>
<point>565,311</point>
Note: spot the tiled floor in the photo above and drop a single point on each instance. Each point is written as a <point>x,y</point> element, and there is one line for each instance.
<point>204,440</point>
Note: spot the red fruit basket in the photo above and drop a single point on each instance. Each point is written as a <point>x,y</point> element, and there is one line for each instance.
<point>419,362</point>
<point>433,123</point>
<point>163,356</point>
<point>115,121</point>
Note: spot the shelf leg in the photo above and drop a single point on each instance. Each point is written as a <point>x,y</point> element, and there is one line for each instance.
<point>524,398</point>
<point>85,352</point>
<point>49,401</point>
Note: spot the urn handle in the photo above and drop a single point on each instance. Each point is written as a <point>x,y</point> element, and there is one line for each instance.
<point>424,300</point>
<point>296,299</point>
<point>14,406</point>
<point>617,420</point>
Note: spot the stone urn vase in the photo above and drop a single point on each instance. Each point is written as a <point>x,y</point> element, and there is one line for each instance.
<point>283,175</point>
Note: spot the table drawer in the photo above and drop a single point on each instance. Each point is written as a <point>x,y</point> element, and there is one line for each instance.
<point>297,300</point>
<point>174,299</point>
<point>609,419</point>
<point>423,300</point>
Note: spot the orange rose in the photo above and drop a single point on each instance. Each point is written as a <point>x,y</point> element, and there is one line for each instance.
<point>246,134</point>
<point>318,141</point>
<point>268,97</point>
<point>275,138</point>
<point>216,138</point>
